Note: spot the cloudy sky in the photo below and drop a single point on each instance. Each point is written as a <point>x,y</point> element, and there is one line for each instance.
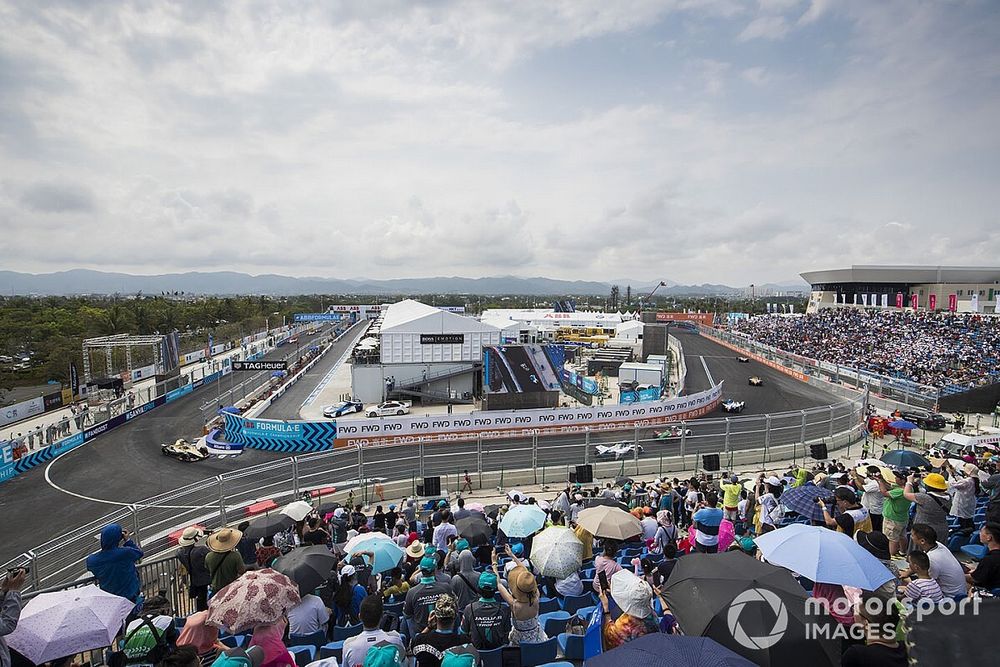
<point>694,140</point>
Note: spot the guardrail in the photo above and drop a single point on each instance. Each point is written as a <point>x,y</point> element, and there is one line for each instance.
<point>218,501</point>
<point>893,389</point>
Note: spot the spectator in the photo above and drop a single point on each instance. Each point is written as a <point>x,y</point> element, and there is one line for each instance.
<point>308,616</point>
<point>707,521</point>
<point>444,530</point>
<point>523,600</point>
<point>339,526</point>
<point>347,599</point>
<point>378,520</point>
<point>192,557</point>
<point>356,648</point>
<point>648,524</point>
<point>267,552</point>
<point>871,498</point>
<point>666,532</point>
<point>246,547</point>
<point>881,649</point>
<point>269,639</point>
<point>315,533</point>
<point>877,544</point>
<point>429,646</point>
<point>224,563</point>
<point>895,511</point>
<point>584,536</point>
<point>153,635</point>
<point>463,583</point>
<point>114,564</point>
<point>422,597</point>
<point>731,498</point>
<point>767,494</point>
<point>606,563</point>
<point>184,656</point>
<point>944,567</point>
<point>397,586</point>
<point>634,597</point>
<point>933,504</point>
<point>461,512</point>
<point>10,609</point>
<point>987,572</point>
<point>963,488</point>
<point>851,516</point>
<point>486,621</point>
<point>922,587</point>
<point>204,638</point>
<point>515,550</point>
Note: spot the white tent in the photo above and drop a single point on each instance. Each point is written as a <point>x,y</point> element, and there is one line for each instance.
<point>413,332</point>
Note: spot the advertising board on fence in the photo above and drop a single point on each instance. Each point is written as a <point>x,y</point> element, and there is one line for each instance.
<point>22,410</point>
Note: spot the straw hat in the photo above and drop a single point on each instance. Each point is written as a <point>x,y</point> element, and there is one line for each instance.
<point>190,535</point>
<point>415,550</point>
<point>818,479</point>
<point>224,540</point>
<point>971,470</point>
<point>522,584</point>
<point>936,482</point>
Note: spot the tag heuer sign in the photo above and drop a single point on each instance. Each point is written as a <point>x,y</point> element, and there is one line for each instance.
<point>442,339</point>
<point>260,365</point>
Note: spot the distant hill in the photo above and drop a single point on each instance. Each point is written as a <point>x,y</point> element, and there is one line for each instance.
<point>85,281</point>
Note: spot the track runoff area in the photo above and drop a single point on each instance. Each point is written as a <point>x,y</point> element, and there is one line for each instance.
<point>126,466</point>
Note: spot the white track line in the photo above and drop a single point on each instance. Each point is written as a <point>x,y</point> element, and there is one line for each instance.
<point>711,380</point>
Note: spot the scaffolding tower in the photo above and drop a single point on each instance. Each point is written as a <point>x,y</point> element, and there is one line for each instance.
<point>110,343</point>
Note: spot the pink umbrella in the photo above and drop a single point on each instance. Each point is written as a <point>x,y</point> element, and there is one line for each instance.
<point>258,597</point>
<point>727,533</point>
<point>475,507</point>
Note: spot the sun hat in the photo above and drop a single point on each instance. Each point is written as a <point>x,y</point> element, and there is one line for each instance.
<point>224,540</point>
<point>339,512</point>
<point>523,586</point>
<point>632,594</point>
<point>428,564</point>
<point>971,470</point>
<point>415,550</point>
<point>818,479</point>
<point>190,535</point>
<point>875,543</point>
<point>347,572</point>
<point>664,518</point>
<point>773,481</point>
<point>935,481</point>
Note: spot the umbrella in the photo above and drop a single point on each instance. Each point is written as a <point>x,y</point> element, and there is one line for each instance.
<point>298,510</point>
<point>475,507</point>
<point>802,499</point>
<point>753,608</point>
<point>904,458</point>
<point>824,556</point>
<point>518,495</point>
<point>604,502</point>
<point>902,425</point>
<point>258,597</point>
<point>55,625</point>
<point>659,650</point>
<point>556,552</point>
<point>522,521</point>
<point>266,526</point>
<point>352,544</point>
<point>937,637</point>
<point>622,481</point>
<point>388,554</point>
<point>475,529</point>
<point>306,566</point>
<point>609,522</point>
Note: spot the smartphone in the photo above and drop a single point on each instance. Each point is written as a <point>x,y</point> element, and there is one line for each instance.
<point>602,577</point>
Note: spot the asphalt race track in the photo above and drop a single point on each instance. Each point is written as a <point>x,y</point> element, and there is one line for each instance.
<point>126,466</point>
<point>121,466</point>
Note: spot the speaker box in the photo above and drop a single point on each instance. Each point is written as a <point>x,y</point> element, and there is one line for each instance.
<point>420,489</point>
<point>432,486</point>
<point>572,477</point>
<point>818,451</point>
<point>585,474</point>
<point>710,462</point>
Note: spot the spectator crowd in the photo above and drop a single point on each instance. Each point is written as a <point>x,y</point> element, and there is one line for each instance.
<point>936,349</point>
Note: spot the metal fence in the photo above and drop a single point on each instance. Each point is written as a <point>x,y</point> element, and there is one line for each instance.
<point>893,389</point>
<point>222,500</point>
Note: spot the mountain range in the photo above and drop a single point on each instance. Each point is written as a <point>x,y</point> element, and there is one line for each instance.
<point>86,281</point>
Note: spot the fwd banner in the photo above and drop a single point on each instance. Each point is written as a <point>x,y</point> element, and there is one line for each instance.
<point>260,365</point>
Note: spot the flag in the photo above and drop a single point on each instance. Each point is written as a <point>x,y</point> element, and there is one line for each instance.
<point>953,302</point>
<point>855,298</point>
<point>932,301</point>
<point>791,309</point>
<point>885,300</point>
<point>899,299</point>
<point>74,379</point>
<point>864,299</point>
<point>975,302</point>
<point>913,301</point>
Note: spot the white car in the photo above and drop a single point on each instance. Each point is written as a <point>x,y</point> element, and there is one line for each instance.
<point>342,408</point>
<point>733,406</point>
<point>617,450</point>
<point>672,432</point>
<point>387,409</point>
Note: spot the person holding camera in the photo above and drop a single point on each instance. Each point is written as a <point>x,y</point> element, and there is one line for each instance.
<point>851,516</point>
<point>114,565</point>
<point>933,503</point>
<point>10,609</point>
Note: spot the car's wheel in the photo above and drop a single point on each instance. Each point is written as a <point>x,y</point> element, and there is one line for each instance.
<point>399,412</point>
<point>372,414</point>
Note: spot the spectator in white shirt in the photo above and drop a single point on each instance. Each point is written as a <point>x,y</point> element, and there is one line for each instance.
<point>944,567</point>
<point>356,648</point>
<point>443,531</point>
<point>308,616</point>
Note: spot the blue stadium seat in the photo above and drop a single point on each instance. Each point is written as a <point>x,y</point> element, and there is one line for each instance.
<point>535,654</point>
<point>554,622</point>
<point>342,633</point>
<point>546,605</point>
<point>332,650</point>
<point>572,603</point>
<point>492,658</point>
<point>570,645</point>
<point>303,654</point>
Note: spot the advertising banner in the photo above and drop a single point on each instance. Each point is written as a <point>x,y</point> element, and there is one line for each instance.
<point>317,317</point>
<point>899,299</point>
<point>913,301</point>
<point>6,460</point>
<point>640,395</point>
<point>701,318</point>
<point>953,302</point>
<point>53,401</point>
<point>975,303</point>
<point>270,365</point>
<point>22,410</point>
<point>265,428</point>
<point>174,394</point>
<point>932,302</point>
<point>74,379</point>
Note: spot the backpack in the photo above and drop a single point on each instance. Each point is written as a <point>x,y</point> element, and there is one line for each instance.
<point>147,644</point>
<point>384,654</point>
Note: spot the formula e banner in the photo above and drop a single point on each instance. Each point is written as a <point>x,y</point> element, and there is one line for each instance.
<point>932,301</point>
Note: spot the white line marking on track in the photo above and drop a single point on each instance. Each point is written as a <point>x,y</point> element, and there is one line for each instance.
<point>708,374</point>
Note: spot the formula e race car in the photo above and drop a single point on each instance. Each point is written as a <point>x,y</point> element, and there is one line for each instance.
<point>743,360</point>
<point>756,381</point>
<point>342,408</point>
<point>672,433</point>
<point>730,405</point>
<point>182,450</point>
<point>617,450</point>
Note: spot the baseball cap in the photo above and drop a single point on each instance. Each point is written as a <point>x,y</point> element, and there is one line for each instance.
<point>488,580</point>
<point>517,549</point>
<point>428,564</point>
<point>347,572</point>
<point>462,544</point>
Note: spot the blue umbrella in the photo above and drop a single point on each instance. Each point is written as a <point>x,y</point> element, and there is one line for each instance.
<point>824,556</point>
<point>522,521</point>
<point>802,499</point>
<point>659,650</point>
<point>904,458</point>
<point>903,425</point>
<point>388,554</point>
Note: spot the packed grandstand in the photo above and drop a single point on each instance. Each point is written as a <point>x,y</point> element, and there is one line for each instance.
<point>938,349</point>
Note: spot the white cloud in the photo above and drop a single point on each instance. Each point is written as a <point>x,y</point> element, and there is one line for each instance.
<point>765,27</point>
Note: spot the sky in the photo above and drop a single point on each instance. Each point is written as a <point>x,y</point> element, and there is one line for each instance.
<point>696,141</point>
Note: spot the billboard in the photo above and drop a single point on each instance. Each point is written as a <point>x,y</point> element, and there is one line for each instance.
<point>522,368</point>
<point>701,318</point>
<point>170,352</point>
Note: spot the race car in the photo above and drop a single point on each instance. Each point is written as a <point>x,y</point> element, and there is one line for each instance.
<point>756,381</point>
<point>729,405</point>
<point>388,408</point>
<point>617,450</point>
<point>342,408</point>
<point>182,450</point>
<point>743,360</point>
<point>672,433</point>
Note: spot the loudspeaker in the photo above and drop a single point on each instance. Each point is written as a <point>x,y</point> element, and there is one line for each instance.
<point>710,462</point>
<point>818,451</point>
<point>432,486</point>
<point>585,474</point>
<point>572,477</point>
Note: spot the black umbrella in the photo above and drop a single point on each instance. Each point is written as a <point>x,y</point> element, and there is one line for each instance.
<point>475,529</point>
<point>622,481</point>
<point>753,608</point>
<point>610,502</point>
<point>938,637</point>
<point>328,508</point>
<point>659,650</point>
<point>306,566</point>
<point>266,526</point>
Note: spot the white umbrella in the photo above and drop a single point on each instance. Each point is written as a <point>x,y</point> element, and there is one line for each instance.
<point>54,625</point>
<point>364,537</point>
<point>297,510</point>
<point>556,552</point>
<point>517,494</point>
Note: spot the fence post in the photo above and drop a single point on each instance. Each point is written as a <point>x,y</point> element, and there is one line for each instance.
<point>361,475</point>
<point>135,525</point>
<point>36,578</point>
<point>725,445</point>
<point>831,421</point>
<point>683,442</point>
<point>635,437</point>
<point>479,459</point>
<point>222,500</point>
<point>586,445</point>
<point>534,456</point>
<point>767,436</point>
<point>421,452</point>
<point>295,477</point>
<point>802,437</point>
